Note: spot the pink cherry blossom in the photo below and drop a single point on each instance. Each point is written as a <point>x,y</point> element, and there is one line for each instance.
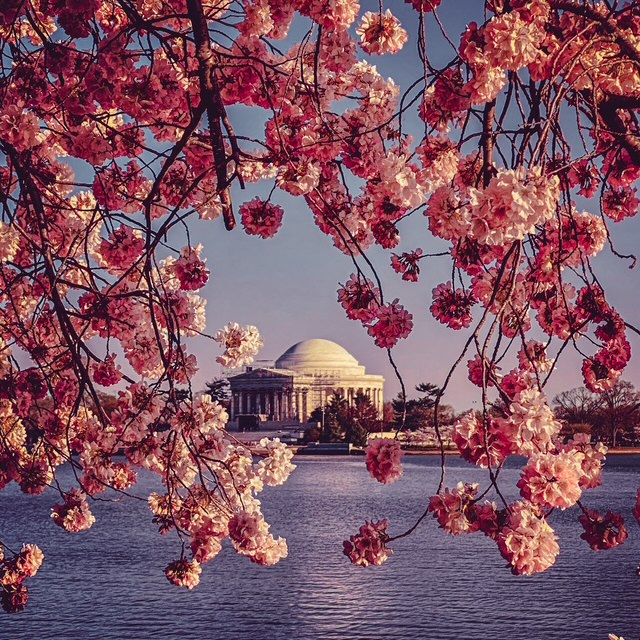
<point>531,425</point>
<point>261,218</point>
<point>74,515</point>
<point>511,205</point>
<point>511,41</point>
<point>619,204</point>
<point>29,560</point>
<point>526,540</point>
<point>241,344</point>
<point>250,536</point>
<point>393,322</point>
<point>452,308</point>
<point>592,459</point>
<point>484,447</point>
<point>552,480</point>
<point>190,269</point>
<point>276,466</point>
<point>123,248</point>
<point>424,5</point>
<point>581,173</point>
<point>603,532</point>
<point>381,33</point>
<point>368,546</point>
<point>383,460</point>
<point>533,358</point>
<point>454,509</point>
<point>407,264</point>
<point>14,597</point>
<point>299,178</point>
<point>107,373</point>
<point>359,298</point>
<point>184,573</point>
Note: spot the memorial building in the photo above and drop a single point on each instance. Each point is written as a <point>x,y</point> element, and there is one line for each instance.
<point>304,377</point>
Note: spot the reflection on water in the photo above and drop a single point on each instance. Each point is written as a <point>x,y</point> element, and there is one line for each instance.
<point>107,583</point>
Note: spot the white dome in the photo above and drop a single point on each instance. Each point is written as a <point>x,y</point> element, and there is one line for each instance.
<point>319,356</point>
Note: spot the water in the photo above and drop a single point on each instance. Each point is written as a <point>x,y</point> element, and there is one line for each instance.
<point>107,583</point>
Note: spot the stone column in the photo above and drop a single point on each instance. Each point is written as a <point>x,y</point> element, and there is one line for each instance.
<point>299,405</point>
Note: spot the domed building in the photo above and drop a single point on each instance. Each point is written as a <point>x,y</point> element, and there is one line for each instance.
<point>304,377</point>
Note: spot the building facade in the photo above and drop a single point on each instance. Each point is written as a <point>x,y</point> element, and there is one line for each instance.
<point>304,377</point>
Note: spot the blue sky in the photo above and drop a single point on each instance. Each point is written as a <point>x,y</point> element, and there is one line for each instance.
<point>287,285</point>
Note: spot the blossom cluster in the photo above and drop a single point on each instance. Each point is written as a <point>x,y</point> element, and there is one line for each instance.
<point>74,514</point>
<point>240,344</point>
<point>14,571</point>
<point>386,323</point>
<point>369,546</point>
<point>383,459</point>
<point>554,477</point>
<point>261,218</point>
<point>381,33</point>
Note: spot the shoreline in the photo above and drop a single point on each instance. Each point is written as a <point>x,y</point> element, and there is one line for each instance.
<point>452,452</point>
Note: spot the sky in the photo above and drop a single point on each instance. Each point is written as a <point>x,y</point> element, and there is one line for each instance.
<point>287,285</point>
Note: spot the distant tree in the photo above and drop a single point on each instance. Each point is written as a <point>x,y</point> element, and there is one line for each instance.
<point>362,419</point>
<point>618,415</point>
<point>577,406</point>
<point>342,421</point>
<point>388,415</point>
<point>613,415</point>
<point>446,415</point>
<point>430,392</point>
<point>419,411</point>
<point>311,434</point>
<point>108,401</point>
<point>316,415</point>
<point>330,417</point>
<point>219,390</point>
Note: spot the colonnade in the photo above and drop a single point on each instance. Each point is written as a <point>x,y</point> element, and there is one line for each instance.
<point>277,405</point>
<point>296,403</point>
<point>349,393</point>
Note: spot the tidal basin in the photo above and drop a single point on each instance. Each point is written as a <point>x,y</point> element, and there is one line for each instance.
<point>107,583</point>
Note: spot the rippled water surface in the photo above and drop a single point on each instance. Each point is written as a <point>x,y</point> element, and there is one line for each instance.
<point>107,583</point>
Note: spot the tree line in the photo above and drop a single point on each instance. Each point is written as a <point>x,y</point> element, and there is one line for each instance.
<point>612,417</point>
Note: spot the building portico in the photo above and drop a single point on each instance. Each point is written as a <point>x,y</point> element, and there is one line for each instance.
<point>304,377</point>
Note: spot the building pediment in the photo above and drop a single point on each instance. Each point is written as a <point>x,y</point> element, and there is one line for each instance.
<point>258,374</point>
